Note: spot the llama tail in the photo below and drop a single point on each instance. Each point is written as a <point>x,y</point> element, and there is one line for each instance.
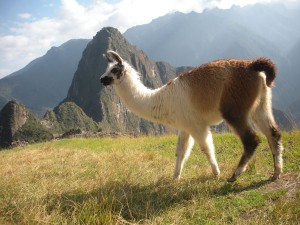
<point>266,65</point>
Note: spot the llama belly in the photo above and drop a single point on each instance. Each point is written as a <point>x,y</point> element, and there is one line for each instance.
<point>212,118</point>
<point>183,118</point>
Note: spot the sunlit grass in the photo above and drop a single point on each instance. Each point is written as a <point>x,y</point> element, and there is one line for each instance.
<point>129,180</point>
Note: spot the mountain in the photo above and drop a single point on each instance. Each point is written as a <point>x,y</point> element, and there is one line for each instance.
<point>68,116</point>
<point>17,124</point>
<point>44,82</point>
<point>249,32</point>
<point>195,38</point>
<point>102,104</point>
<point>292,84</point>
<point>284,121</point>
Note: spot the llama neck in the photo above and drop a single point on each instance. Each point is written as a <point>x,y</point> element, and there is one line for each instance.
<point>146,103</point>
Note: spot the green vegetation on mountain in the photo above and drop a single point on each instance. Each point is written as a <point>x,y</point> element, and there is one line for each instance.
<point>69,116</point>
<point>33,131</point>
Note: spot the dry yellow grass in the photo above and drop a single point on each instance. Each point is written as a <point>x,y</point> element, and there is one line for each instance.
<point>129,180</point>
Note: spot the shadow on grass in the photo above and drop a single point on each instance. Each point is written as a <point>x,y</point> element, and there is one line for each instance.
<point>137,202</point>
<point>229,188</point>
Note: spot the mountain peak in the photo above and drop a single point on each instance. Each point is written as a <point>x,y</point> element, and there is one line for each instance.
<point>109,31</point>
<point>107,34</point>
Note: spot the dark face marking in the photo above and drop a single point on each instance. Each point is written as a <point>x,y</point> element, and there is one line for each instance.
<point>115,73</point>
<point>106,80</point>
<point>117,70</point>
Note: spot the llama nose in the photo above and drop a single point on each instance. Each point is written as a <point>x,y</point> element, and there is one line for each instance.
<point>106,80</point>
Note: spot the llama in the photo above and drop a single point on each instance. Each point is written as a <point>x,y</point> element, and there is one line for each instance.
<point>236,91</point>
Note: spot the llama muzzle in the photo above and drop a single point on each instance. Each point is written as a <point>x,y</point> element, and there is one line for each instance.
<point>106,80</point>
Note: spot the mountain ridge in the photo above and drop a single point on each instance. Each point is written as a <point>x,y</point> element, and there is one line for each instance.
<point>42,84</point>
<point>207,26</point>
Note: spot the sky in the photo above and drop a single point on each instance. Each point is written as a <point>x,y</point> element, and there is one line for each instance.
<point>28,28</point>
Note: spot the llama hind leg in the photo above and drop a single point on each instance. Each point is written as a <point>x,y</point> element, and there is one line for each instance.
<point>184,146</point>
<point>264,120</point>
<point>205,141</point>
<point>250,141</point>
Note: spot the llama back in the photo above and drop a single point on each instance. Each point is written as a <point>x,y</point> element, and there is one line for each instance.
<point>232,83</point>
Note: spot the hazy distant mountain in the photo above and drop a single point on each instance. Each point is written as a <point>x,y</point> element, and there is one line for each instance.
<point>292,84</point>
<point>195,38</point>
<point>44,82</point>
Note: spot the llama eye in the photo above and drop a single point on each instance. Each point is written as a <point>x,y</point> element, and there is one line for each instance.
<point>115,70</point>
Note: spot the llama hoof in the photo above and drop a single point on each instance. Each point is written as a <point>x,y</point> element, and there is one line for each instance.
<point>216,172</point>
<point>176,178</point>
<point>217,175</point>
<point>231,179</point>
<point>275,177</point>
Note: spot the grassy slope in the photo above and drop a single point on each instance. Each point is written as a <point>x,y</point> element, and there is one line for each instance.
<point>124,180</point>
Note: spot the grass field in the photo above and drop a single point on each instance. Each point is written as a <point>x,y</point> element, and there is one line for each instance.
<point>129,181</point>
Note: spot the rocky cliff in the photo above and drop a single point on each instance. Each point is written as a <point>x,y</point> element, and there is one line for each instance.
<point>18,124</point>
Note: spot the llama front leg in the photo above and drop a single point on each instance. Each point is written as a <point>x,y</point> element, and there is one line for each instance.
<point>184,146</point>
<point>205,140</point>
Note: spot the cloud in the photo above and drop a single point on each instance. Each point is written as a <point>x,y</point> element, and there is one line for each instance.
<point>24,15</point>
<point>31,39</point>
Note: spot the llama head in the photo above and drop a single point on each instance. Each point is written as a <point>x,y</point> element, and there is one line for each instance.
<point>115,69</point>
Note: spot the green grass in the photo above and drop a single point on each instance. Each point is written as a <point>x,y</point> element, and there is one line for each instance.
<point>129,181</point>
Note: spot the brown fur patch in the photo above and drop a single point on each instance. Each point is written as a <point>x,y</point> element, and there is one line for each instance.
<point>223,85</point>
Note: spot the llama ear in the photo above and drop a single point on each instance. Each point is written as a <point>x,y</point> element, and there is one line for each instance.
<point>114,57</point>
<point>108,58</point>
